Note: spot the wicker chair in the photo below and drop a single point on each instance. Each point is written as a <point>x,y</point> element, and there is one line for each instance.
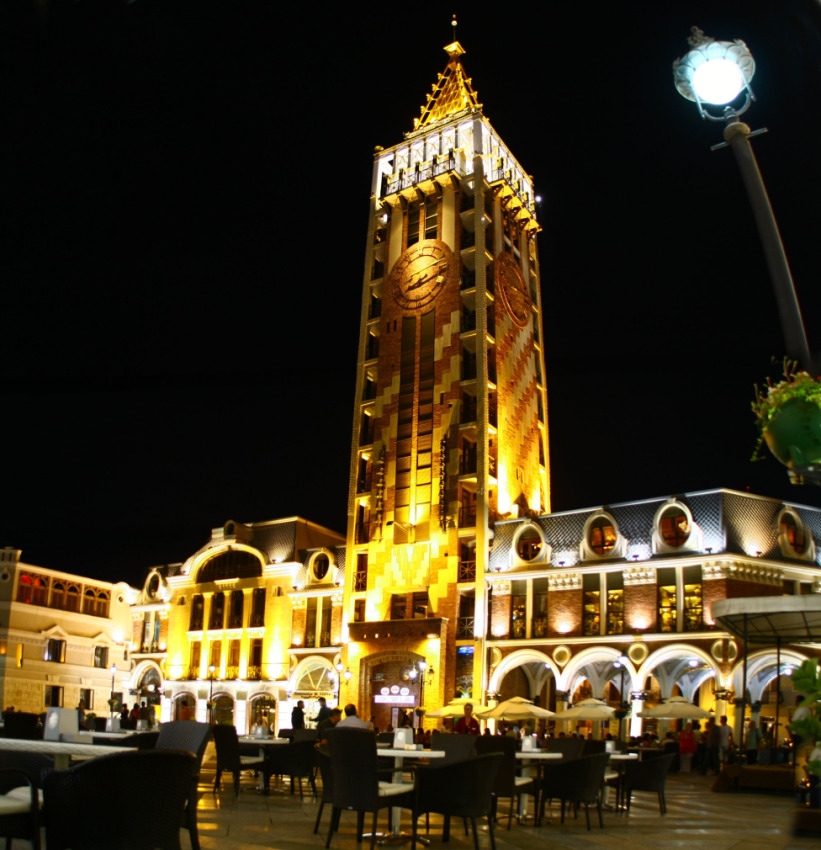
<point>162,781</point>
<point>650,775</point>
<point>570,748</point>
<point>191,737</point>
<point>462,789</point>
<point>455,747</point>
<point>323,760</point>
<point>20,802</point>
<point>580,781</point>
<point>356,784</point>
<point>226,741</point>
<point>508,783</point>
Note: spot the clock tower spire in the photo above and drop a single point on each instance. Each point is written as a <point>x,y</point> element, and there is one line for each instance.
<point>450,428</point>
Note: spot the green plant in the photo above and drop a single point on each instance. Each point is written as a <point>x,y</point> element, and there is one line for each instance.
<point>767,405</point>
<point>805,719</point>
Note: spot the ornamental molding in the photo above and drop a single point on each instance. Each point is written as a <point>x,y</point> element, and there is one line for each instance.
<point>565,581</point>
<point>634,576</point>
<point>752,572</point>
<point>500,587</point>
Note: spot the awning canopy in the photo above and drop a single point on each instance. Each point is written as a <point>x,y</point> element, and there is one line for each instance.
<point>792,619</point>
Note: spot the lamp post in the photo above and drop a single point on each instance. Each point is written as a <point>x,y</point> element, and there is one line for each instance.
<point>339,668</point>
<point>619,663</point>
<point>716,76</point>
<point>211,670</point>
<point>113,671</point>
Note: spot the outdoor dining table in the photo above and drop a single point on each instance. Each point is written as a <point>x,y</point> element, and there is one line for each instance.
<point>262,743</point>
<point>61,750</point>
<point>399,757</point>
<point>620,760</point>
<point>538,756</point>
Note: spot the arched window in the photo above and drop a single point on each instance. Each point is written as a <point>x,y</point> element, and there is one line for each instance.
<point>793,532</point>
<point>529,543</point>
<point>72,598</point>
<point>231,563</point>
<point>675,526</point>
<point>601,536</point>
<point>320,566</point>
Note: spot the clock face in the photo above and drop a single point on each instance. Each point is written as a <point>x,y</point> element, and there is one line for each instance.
<point>511,286</point>
<point>421,273</point>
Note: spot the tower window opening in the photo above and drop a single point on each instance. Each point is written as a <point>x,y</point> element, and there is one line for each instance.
<point>601,536</point>
<point>675,526</point>
<point>793,533</point>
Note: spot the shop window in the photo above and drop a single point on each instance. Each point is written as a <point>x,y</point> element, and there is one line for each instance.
<point>667,599</point>
<point>615,603</point>
<point>693,599</point>
<point>591,619</point>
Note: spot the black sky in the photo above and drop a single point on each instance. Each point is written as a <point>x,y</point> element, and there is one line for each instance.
<point>186,216</point>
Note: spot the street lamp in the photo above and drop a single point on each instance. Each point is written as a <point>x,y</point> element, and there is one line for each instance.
<point>619,664</point>
<point>716,76</point>
<point>211,670</point>
<point>113,671</point>
<point>339,668</point>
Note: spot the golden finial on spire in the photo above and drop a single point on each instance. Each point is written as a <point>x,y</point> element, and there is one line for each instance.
<point>452,91</point>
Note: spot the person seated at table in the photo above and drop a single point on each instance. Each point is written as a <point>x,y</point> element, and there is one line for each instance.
<point>468,724</point>
<point>351,721</point>
<point>334,716</point>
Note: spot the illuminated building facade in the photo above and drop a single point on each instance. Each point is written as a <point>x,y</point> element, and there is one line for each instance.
<point>249,621</point>
<point>450,428</point>
<point>615,603</point>
<point>59,636</point>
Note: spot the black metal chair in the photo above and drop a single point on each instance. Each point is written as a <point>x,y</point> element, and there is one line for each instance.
<point>226,741</point>
<point>326,772</point>
<point>356,784</point>
<point>297,761</point>
<point>192,737</point>
<point>462,789</point>
<point>570,748</point>
<point>508,783</point>
<point>581,782</point>
<point>455,747</point>
<point>650,775</point>
<point>162,782</point>
<point>139,740</point>
<point>19,807</point>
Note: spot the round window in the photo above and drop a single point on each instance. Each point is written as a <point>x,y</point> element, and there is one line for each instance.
<point>321,566</point>
<point>529,544</point>
<point>601,536</point>
<point>674,526</point>
<point>793,532</point>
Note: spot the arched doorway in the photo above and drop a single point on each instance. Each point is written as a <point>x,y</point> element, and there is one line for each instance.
<point>223,712</point>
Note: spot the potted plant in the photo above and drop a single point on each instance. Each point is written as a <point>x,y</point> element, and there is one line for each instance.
<point>806,723</point>
<point>788,416</point>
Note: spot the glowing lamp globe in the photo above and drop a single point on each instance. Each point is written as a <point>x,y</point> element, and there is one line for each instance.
<point>713,72</point>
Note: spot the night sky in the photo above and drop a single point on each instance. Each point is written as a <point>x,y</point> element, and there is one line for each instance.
<point>186,195</point>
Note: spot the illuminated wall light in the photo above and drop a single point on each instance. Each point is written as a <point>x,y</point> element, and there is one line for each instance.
<point>639,552</point>
<point>564,627</point>
<point>640,623</point>
<point>498,630</point>
<point>565,558</point>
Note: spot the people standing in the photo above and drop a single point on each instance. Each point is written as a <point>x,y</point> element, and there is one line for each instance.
<point>725,739</point>
<point>468,724</point>
<point>686,747</point>
<point>298,716</point>
<point>324,712</point>
<point>752,740</point>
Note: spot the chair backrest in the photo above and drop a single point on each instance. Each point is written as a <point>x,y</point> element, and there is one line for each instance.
<point>462,789</point>
<point>354,763</point>
<point>323,760</point>
<point>227,743</point>
<point>582,778</point>
<point>570,748</point>
<point>162,782</point>
<point>21,724</point>
<point>455,747</point>
<point>33,765</point>
<point>649,775</point>
<point>185,735</point>
<point>506,773</point>
<point>304,735</point>
<point>592,747</point>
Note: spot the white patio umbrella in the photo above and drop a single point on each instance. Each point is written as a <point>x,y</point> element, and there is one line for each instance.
<point>676,708</point>
<point>456,708</point>
<point>515,708</point>
<point>586,712</point>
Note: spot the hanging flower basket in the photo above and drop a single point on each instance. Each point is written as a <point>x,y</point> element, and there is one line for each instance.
<point>788,416</point>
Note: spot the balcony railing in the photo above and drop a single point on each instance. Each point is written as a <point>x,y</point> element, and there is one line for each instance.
<point>467,570</point>
<point>464,628</point>
<point>254,673</point>
<point>360,581</point>
<point>421,171</point>
<point>232,672</point>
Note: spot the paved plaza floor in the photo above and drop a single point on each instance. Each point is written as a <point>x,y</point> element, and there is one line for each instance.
<point>696,818</point>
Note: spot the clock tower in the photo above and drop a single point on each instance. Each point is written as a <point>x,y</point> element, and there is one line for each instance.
<point>450,427</point>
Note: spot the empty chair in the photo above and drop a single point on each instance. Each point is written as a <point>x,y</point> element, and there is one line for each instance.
<point>162,782</point>
<point>570,748</point>
<point>192,737</point>
<point>20,797</point>
<point>455,747</point>
<point>228,755</point>
<point>356,784</point>
<point>650,775</point>
<point>297,761</point>
<point>323,760</point>
<point>508,783</point>
<point>581,782</point>
<point>462,789</point>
